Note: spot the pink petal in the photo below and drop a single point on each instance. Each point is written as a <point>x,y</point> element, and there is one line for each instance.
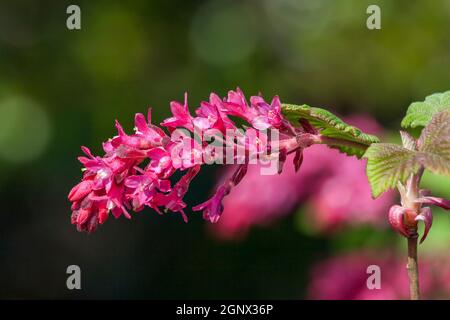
<point>440,202</point>
<point>281,160</point>
<point>178,110</point>
<point>133,181</point>
<point>237,97</point>
<point>102,215</point>
<point>395,217</point>
<point>164,185</point>
<point>239,174</point>
<point>427,217</point>
<point>83,216</point>
<point>261,123</point>
<point>256,100</point>
<point>214,99</point>
<point>276,104</point>
<point>298,159</point>
<point>212,208</point>
<point>87,151</point>
<point>80,191</point>
<point>157,153</point>
<point>201,123</point>
<point>140,123</point>
<point>83,160</point>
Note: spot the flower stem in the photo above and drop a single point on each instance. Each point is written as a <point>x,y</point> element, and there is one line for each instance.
<point>413,268</point>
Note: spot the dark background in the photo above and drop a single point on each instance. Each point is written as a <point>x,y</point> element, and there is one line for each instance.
<point>60,89</point>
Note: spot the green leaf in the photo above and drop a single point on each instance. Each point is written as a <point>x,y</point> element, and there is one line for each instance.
<point>331,126</point>
<point>387,164</point>
<point>434,143</point>
<point>420,113</point>
<point>408,141</point>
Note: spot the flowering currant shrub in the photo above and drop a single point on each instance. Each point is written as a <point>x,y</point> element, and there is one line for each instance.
<point>138,170</point>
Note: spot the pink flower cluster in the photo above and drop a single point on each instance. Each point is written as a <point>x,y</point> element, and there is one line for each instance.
<point>137,170</point>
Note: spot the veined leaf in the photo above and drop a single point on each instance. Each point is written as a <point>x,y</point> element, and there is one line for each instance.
<point>420,113</point>
<point>387,164</point>
<point>408,141</point>
<point>331,126</point>
<point>434,142</point>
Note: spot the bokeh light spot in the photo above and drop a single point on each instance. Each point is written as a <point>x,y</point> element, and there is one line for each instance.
<point>24,129</point>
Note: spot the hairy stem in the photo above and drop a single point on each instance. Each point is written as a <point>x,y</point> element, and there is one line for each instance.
<point>408,198</point>
<point>413,268</point>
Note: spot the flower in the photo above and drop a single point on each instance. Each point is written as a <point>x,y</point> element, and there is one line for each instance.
<point>181,116</point>
<point>211,115</point>
<point>405,217</point>
<point>136,169</point>
<point>268,115</point>
<point>398,214</point>
<point>213,208</point>
<point>236,105</point>
<point>81,190</point>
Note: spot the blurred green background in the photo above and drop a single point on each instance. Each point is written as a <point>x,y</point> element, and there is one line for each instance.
<point>60,89</point>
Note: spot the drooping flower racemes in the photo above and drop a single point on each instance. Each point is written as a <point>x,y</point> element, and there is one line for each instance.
<point>137,170</point>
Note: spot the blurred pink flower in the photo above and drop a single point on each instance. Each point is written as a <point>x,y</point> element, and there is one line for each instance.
<point>345,278</point>
<point>259,199</point>
<point>333,186</point>
<point>344,197</point>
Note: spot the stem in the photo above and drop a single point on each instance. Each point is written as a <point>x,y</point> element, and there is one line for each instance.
<point>412,193</point>
<point>413,268</point>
